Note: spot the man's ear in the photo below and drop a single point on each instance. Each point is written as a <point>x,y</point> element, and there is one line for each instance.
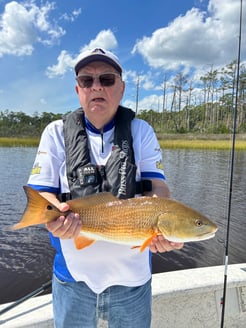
<point>123,89</point>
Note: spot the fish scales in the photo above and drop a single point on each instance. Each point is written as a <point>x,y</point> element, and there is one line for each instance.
<point>108,221</point>
<point>134,221</point>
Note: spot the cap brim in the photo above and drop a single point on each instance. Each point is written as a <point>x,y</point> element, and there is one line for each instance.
<point>96,57</point>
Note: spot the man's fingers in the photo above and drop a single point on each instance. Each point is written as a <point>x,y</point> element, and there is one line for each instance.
<point>65,227</point>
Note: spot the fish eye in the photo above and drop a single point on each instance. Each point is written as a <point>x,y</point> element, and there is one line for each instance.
<point>198,222</point>
<point>49,207</point>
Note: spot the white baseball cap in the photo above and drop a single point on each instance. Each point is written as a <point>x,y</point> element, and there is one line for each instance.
<point>98,54</point>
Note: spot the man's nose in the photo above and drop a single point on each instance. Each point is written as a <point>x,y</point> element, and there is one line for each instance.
<point>96,83</point>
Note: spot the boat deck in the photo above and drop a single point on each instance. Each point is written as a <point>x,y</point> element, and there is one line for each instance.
<point>184,298</point>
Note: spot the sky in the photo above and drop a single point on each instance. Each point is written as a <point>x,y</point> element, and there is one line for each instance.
<point>40,42</point>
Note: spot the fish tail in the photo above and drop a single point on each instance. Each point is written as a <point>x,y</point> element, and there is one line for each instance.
<point>35,209</point>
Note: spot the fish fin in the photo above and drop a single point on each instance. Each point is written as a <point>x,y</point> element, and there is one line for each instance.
<point>82,242</point>
<point>91,200</point>
<point>35,209</point>
<point>133,247</point>
<point>148,241</point>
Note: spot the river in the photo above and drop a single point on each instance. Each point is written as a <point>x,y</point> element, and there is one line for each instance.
<point>198,178</point>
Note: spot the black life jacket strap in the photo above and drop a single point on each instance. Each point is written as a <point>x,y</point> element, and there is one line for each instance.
<point>64,197</point>
<point>141,187</point>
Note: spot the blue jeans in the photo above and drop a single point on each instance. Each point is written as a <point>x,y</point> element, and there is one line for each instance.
<point>75,305</point>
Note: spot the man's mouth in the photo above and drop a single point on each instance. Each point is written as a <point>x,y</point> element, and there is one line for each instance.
<point>98,99</point>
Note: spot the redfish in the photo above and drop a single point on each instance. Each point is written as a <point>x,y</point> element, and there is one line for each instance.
<point>134,221</point>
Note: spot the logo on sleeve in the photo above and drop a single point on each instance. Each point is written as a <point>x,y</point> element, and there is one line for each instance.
<point>36,169</point>
<point>159,165</point>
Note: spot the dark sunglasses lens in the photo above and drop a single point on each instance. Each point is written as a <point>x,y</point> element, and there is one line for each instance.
<point>85,81</point>
<point>107,80</point>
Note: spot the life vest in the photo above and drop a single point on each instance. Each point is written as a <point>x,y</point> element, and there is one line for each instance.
<point>118,176</point>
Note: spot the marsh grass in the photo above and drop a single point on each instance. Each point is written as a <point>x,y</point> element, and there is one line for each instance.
<point>19,142</point>
<point>202,144</point>
<point>170,141</point>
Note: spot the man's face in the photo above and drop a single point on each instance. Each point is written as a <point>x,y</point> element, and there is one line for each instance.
<point>100,102</point>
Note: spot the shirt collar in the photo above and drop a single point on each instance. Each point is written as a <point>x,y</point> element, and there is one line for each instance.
<point>93,129</point>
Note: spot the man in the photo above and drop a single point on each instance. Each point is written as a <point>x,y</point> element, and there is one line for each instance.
<point>100,147</point>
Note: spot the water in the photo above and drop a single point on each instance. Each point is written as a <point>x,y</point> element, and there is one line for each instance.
<point>25,255</point>
<point>201,179</point>
<point>198,178</point>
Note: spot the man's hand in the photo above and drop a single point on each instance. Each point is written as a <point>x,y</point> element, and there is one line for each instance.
<point>160,244</point>
<point>65,227</point>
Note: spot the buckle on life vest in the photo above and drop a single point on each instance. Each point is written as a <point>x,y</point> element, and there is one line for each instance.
<point>143,185</point>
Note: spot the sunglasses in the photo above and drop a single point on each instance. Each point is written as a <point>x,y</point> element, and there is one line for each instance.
<point>106,79</point>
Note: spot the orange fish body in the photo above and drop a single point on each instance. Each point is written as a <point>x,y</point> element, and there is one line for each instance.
<point>134,221</point>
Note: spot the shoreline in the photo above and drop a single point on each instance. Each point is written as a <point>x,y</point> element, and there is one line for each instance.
<point>201,141</point>
<point>167,141</point>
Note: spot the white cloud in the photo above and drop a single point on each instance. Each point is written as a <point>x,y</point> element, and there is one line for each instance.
<point>43,101</point>
<point>195,39</point>
<point>71,17</point>
<point>104,39</point>
<point>65,62</point>
<point>145,81</point>
<point>153,102</point>
<point>24,24</point>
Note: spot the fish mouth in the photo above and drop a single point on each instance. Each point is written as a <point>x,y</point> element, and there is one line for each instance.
<point>206,235</point>
<point>197,237</point>
<point>210,233</point>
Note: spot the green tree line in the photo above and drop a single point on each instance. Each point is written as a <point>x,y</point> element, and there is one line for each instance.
<point>213,113</point>
<point>207,109</point>
<point>19,124</point>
